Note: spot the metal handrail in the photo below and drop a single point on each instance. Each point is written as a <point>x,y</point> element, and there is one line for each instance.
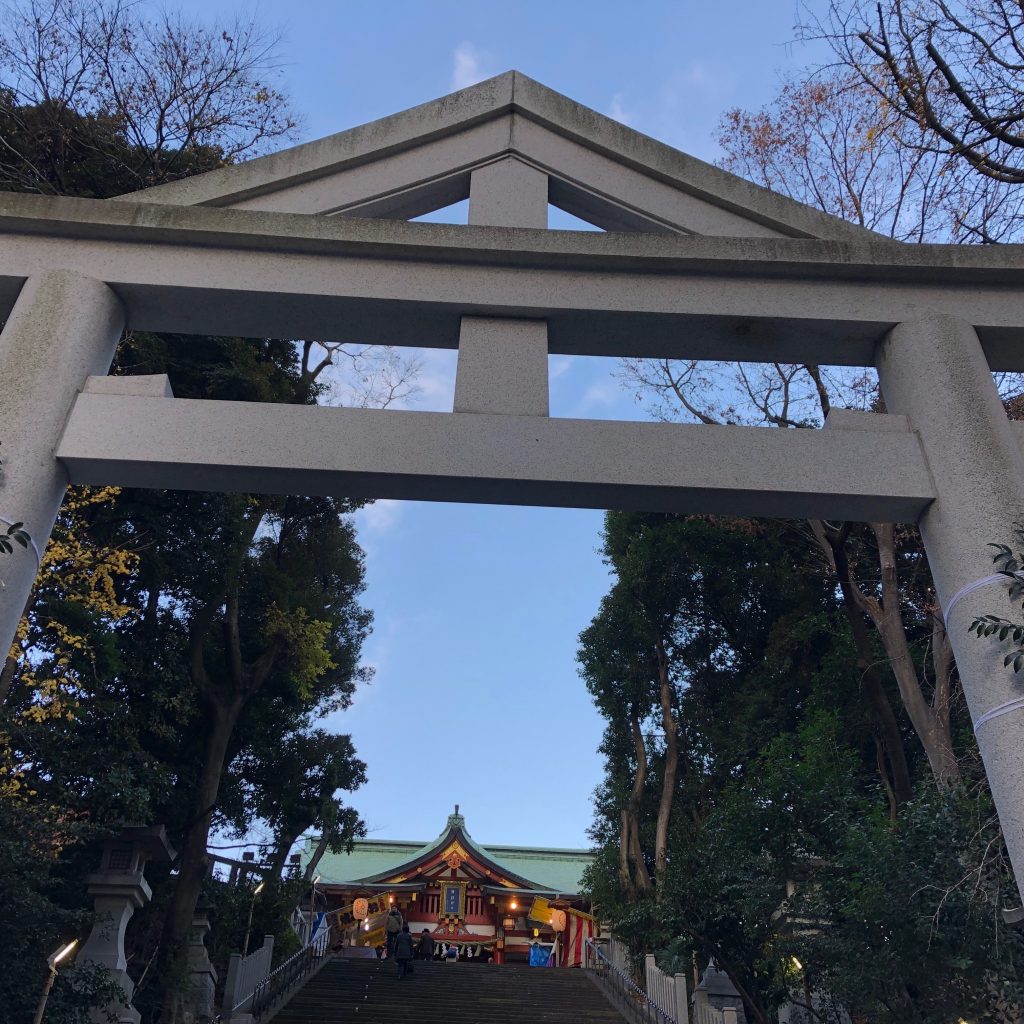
<point>288,974</point>
<point>624,989</point>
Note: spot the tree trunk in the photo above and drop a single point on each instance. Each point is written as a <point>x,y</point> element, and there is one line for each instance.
<point>625,875</point>
<point>881,718</point>
<point>275,870</point>
<point>314,861</point>
<point>932,728</point>
<point>641,878</point>
<point>668,782</point>
<point>192,861</point>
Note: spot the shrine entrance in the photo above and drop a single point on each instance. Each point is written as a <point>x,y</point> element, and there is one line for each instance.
<point>499,904</point>
<point>694,263</point>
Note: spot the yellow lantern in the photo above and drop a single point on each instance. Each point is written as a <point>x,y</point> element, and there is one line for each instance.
<point>360,908</point>
<point>558,920</point>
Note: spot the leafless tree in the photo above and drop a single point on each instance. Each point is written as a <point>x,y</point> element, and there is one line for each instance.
<point>950,71</point>
<point>136,94</point>
<point>833,142</point>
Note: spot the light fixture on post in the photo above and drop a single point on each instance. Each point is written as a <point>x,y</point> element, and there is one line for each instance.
<point>51,962</point>
<point>252,907</point>
<point>509,923</point>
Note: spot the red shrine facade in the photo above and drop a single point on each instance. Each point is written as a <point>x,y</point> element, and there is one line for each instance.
<point>476,899</point>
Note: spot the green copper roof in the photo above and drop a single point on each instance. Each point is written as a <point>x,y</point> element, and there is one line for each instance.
<point>550,869</point>
<point>560,870</point>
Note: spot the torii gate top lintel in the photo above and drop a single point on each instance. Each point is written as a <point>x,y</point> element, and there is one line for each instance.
<point>695,263</point>
<point>421,159</point>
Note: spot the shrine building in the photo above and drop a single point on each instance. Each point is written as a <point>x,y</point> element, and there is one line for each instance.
<point>492,903</point>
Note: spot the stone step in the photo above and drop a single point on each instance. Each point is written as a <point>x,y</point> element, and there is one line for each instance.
<point>370,992</point>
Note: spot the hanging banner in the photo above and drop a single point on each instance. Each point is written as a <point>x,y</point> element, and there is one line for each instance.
<point>540,911</point>
<point>320,926</point>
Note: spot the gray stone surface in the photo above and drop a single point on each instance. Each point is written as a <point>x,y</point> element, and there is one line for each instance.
<point>502,367</point>
<point>203,975</point>
<point>509,114</point>
<point>528,460</point>
<point>238,272</point>
<point>933,371</point>
<point>151,385</point>
<point>63,328</point>
<point>118,889</point>
<point>508,194</point>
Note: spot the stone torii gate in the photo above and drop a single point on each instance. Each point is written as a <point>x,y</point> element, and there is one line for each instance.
<point>694,263</point>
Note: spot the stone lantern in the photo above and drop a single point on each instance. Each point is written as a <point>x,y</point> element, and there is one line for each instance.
<point>118,889</point>
<point>202,973</point>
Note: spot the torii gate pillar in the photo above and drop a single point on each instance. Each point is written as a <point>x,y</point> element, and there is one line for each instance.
<point>64,327</point>
<point>934,371</point>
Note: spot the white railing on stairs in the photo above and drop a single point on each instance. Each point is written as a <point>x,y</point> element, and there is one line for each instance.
<point>621,989</point>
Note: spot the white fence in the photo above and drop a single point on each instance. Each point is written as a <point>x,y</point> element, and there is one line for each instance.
<point>244,974</point>
<point>666,991</point>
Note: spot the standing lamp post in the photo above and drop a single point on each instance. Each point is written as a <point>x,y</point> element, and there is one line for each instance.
<point>248,924</point>
<point>51,977</point>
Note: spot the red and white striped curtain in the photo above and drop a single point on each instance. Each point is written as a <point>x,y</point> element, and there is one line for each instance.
<point>578,928</point>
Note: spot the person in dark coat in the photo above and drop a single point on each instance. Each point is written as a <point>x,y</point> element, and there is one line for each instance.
<point>426,949</point>
<point>392,929</point>
<point>403,950</point>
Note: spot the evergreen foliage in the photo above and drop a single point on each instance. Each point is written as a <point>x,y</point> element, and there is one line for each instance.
<point>781,849</point>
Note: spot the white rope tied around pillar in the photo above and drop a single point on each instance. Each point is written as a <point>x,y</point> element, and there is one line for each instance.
<point>35,548</point>
<point>1017,703</point>
<point>970,588</point>
<point>1002,709</point>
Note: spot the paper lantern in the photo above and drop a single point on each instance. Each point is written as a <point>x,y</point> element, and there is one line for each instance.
<point>558,920</point>
<point>360,909</point>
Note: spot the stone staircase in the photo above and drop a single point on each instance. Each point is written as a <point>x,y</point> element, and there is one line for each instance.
<point>369,992</point>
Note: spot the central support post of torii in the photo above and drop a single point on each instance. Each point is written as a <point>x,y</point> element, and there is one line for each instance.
<point>503,363</point>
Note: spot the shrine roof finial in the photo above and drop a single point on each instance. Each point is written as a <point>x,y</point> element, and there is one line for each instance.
<point>456,820</point>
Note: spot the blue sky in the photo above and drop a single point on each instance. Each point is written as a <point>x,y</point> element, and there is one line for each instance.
<point>476,698</point>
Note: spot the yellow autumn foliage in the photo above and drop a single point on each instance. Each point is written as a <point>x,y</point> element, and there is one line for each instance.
<point>74,569</point>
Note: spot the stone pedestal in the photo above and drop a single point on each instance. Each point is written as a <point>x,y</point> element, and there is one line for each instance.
<point>202,973</point>
<point>118,889</point>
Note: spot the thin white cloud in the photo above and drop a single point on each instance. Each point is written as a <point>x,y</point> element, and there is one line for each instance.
<point>617,111</point>
<point>468,66</point>
<point>602,394</point>
<point>380,517</point>
<point>558,366</point>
